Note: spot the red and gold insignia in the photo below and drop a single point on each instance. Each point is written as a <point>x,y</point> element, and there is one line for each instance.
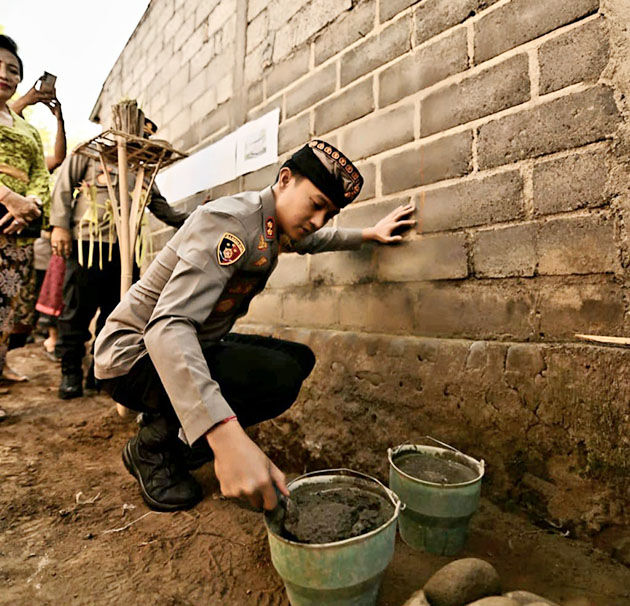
<point>262,245</point>
<point>270,228</point>
<point>229,249</point>
<point>224,305</point>
<point>240,289</point>
<point>261,262</point>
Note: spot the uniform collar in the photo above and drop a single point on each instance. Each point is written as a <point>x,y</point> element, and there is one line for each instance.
<point>269,224</point>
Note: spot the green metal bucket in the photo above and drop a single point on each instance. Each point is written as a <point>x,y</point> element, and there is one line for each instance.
<point>436,516</point>
<point>343,573</point>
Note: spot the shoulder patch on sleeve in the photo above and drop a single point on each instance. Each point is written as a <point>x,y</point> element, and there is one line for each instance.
<point>229,249</point>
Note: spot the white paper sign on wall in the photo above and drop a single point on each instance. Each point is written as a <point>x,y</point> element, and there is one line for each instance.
<point>251,147</point>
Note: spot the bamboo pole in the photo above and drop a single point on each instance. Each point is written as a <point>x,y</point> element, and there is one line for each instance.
<point>112,194</point>
<point>126,257</point>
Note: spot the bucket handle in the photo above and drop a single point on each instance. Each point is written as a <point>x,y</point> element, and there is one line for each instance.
<point>443,444</point>
<point>482,463</point>
<point>399,505</point>
<point>433,440</point>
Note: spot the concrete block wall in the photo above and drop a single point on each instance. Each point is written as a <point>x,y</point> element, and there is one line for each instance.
<point>505,122</point>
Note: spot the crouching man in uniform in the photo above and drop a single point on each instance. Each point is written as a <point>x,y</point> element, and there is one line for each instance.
<point>167,348</point>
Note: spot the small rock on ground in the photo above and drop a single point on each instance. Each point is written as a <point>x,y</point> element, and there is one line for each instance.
<point>417,599</point>
<point>525,598</point>
<point>494,601</point>
<point>461,582</point>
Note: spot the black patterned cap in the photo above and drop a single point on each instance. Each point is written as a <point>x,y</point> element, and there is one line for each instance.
<point>329,170</point>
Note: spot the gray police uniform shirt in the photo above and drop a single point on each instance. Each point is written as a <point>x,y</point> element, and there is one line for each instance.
<point>67,210</point>
<point>200,283</point>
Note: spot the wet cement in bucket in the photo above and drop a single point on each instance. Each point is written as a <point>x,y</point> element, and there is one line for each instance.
<point>325,515</point>
<point>439,469</point>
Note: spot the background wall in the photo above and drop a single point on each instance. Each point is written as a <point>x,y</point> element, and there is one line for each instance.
<point>505,122</point>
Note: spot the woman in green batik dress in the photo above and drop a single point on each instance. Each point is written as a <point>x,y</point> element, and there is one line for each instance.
<point>24,190</point>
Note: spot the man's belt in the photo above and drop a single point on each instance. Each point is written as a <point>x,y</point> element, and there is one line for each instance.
<point>16,173</point>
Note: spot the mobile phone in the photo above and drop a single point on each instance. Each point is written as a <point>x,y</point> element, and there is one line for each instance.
<point>46,83</point>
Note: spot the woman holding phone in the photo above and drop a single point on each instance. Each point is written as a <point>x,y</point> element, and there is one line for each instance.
<point>25,318</point>
<point>24,192</point>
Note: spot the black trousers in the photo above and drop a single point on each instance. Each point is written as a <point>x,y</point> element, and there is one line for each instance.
<point>86,291</point>
<point>260,377</point>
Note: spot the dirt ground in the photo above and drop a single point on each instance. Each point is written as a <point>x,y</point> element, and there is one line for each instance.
<point>74,530</point>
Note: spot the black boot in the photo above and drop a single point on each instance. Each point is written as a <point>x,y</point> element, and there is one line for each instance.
<point>153,458</point>
<point>196,455</point>
<point>92,384</point>
<point>71,378</point>
<point>193,456</point>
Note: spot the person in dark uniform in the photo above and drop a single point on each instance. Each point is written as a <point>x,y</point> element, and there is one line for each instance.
<point>80,220</point>
<point>167,348</point>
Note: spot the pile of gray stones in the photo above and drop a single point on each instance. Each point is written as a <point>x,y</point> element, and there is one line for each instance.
<point>471,582</point>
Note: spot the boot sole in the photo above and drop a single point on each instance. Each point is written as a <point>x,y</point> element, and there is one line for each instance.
<point>152,503</point>
<point>70,395</point>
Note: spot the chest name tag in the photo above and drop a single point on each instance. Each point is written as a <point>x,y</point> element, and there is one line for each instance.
<point>230,249</point>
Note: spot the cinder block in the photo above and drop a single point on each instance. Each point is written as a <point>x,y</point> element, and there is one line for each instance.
<point>256,62</point>
<point>204,9</point>
<point>316,87</point>
<point>294,133</point>
<point>569,121</point>
<point>490,91</point>
<point>180,123</point>
<point>435,17</point>
<point>391,8</point>
<point>173,24</point>
<point>520,21</point>
<point>368,172</point>
<point>377,308</point>
<point>441,257</point>
<point>226,189</point>
<point>579,55</point>
<point>255,94</point>
<point>225,88</point>
<point>196,88</point>
<point>444,158</point>
<point>253,8</point>
<point>261,178</point>
<point>291,271</point>
<point>424,67</point>
<point>280,11</point>
<point>281,75</point>
<point>184,31</point>
<point>479,310</point>
<point>392,42</point>
<point>343,267</point>
<point>178,82</point>
<point>202,58</point>
<point>505,251</point>
<point>350,105</point>
<point>366,215</point>
<point>595,306</point>
<point>348,28</point>
<point>265,308</point>
<point>316,307</point>
<point>305,23</point>
<point>257,30</point>
<point>570,183</point>
<point>480,201</point>
<point>265,109</point>
<point>385,131</point>
<point>222,12</point>
<point>215,121</point>
<point>578,245</point>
